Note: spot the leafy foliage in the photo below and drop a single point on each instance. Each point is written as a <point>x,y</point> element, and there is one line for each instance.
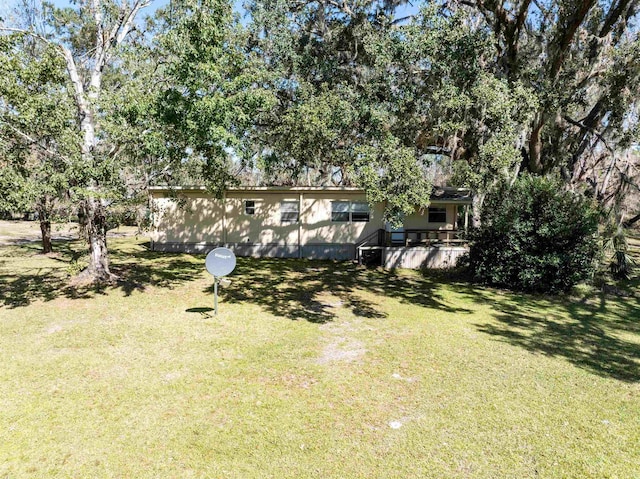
<point>39,146</point>
<point>390,174</point>
<point>341,113</point>
<point>211,95</point>
<point>38,140</point>
<point>616,247</point>
<point>534,237</point>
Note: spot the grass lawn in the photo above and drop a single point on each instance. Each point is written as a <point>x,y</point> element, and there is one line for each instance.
<point>22,231</point>
<point>311,369</point>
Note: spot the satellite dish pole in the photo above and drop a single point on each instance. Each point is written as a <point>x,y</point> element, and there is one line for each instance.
<point>215,295</point>
<point>219,263</point>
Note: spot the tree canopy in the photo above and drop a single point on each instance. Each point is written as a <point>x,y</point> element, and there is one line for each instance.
<point>367,93</point>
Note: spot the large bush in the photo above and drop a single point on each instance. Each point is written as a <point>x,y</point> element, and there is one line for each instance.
<point>534,236</point>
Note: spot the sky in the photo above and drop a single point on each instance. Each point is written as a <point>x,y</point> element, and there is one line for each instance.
<point>6,7</point>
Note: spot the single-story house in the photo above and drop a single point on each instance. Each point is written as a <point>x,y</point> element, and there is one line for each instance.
<point>309,222</point>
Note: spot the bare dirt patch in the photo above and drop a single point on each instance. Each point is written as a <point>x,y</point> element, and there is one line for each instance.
<point>342,349</point>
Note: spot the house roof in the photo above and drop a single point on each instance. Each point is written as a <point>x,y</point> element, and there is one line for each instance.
<point>438,195</point>
<point>258,188</point>
<point>461,195</point>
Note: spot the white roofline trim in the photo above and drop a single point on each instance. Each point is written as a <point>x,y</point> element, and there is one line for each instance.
<point>260,188</point>
<point>302,189</point>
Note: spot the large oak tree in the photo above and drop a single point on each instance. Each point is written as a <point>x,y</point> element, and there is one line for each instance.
<point>88,38</point>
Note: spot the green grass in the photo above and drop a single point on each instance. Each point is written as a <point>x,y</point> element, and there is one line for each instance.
<point>30,230</point>
<point>311,369</point>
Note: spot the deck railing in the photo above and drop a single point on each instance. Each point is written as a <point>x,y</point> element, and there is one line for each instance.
<point>376,241</point>
<point>425,237</point>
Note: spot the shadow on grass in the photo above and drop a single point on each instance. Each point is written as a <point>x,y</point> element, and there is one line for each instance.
<point>27,276</point>
<point>205,312</point>
<point>591,333</point>
<point>295,289</point>
<point>311,290</point>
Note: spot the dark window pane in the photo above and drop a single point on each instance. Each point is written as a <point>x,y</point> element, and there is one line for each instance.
<point>360,216</point>
<point>340,217</point>
<point>437,215</point>
<point>359,211</point>
<point>340,211</point>
<point>249,207</point>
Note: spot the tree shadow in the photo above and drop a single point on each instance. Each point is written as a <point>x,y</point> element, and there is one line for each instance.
<point>310,290</point>
<point>26,277</point>
<point>314,290</point>
<point>589,333</point>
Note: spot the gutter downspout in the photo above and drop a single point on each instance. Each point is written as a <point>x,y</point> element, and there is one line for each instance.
<point>300,203</point>
<point>224,218</point>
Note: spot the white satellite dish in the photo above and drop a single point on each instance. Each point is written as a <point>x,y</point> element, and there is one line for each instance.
<point>219,263</point>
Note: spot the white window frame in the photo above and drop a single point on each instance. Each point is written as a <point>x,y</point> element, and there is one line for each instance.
<point>348,212</point>
<point>248,208</point>
<point>293,208</point>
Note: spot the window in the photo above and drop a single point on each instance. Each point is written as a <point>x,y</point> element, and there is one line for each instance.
<point>346,211</point>
<point>340,211</point>
<point>437,215</point>
<point>249,207</point>
<point>289,211</point>
<point>360,212</point>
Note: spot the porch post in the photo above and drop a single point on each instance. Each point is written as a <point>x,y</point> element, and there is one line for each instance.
<point>466,218</point>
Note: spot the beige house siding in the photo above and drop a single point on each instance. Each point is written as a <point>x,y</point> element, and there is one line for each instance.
<point>193,220</point>
<point>420,218</point>
<point>264,226</point>
<point>190,218</point>
<point>319,229</point>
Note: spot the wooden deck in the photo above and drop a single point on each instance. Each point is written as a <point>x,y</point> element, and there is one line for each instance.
<point>425,237</point>
<point>412,248</point>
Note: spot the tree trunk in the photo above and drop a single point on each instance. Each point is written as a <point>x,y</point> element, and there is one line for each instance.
<point>535,146</point>
<point>478,201</point>
<point>93,220</point>
<point>43,208</point>
<point>45,229</point>
<point>86,93</point>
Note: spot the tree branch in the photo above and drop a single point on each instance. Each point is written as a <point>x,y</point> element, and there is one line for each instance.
<point>589,129</point>
<point>137,6</point>
<point>97,16</point>
<point>33,141</point>
<point>27,32</point>
<point>566,34</point>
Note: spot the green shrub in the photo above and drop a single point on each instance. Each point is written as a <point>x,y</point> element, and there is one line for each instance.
<point>534,236</point>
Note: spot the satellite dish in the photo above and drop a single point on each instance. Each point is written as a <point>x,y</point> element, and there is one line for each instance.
<point>220,262</point>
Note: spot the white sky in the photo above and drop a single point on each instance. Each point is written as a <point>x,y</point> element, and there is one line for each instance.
<point>7,6</point>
